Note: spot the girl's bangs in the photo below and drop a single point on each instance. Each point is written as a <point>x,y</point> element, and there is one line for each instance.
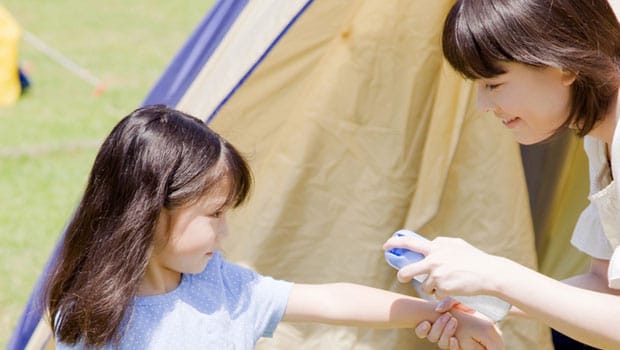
<point>231,175</point>
<point>239,176</point>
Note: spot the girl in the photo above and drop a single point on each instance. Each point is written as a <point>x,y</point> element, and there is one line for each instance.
<point>542,66</point>
<point>140,267</point>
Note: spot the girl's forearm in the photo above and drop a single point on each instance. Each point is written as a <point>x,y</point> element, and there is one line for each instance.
<point>588,316</point>
<point>356,305</point>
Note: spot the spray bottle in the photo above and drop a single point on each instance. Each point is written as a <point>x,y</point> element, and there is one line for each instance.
<point>488,305</point>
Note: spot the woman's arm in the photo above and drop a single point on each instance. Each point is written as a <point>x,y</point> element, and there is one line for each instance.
<point>590,316</point>
<point>594,279</point>
<point>362,306</point>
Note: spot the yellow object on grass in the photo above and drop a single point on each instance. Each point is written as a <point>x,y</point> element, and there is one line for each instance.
<point>10,32</point>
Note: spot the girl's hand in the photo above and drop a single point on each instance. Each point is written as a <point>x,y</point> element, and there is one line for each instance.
<point>454,267</point>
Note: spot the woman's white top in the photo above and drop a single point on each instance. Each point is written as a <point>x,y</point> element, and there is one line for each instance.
<point>597,232</point>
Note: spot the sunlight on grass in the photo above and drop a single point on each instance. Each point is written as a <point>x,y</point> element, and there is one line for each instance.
<point>43,191</point>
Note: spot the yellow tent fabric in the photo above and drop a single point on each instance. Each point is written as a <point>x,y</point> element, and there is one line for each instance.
<point>9,42</point>
<point>356,127</point>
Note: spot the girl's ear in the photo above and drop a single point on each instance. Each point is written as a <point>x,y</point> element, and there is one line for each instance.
<point>162,228</point>
<point>568,77</point>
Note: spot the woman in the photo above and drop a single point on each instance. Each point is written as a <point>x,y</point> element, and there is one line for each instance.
<point>541,67</point>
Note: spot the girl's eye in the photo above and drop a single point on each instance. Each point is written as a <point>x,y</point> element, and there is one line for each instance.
<point>217,214</point>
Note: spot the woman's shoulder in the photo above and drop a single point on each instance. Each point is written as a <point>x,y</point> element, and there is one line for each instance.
<point>615,151</point>
<point>596,150</point>
<point>598,164</point>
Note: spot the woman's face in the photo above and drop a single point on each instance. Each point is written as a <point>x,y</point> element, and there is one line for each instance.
<point>532,102</point>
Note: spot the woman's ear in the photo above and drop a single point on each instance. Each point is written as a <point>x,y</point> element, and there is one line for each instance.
<point>568,77</point>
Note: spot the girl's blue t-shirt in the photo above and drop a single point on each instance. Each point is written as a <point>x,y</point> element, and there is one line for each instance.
<point>224,307</point>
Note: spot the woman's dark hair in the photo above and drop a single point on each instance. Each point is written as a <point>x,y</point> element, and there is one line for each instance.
<point>155,158</point>
<point>580,36</point>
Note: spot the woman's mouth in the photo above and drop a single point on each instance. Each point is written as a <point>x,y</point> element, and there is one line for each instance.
<point>510,122</point>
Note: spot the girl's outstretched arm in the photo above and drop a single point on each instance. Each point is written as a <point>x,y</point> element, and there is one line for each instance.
<point>361,306</point>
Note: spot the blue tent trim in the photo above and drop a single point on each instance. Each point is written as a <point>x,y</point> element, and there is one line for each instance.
<point>33,311</point>
<point>197,50</point>
<point>259,61</point>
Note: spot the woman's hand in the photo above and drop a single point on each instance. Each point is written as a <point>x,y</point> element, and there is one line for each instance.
<point>476,331</point>
<point>454,267</point>
<point>442,331</point>
<point>460,330</point>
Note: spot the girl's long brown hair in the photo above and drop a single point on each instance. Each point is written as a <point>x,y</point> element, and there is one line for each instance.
<point>155,158</point>
<point>581,36</point>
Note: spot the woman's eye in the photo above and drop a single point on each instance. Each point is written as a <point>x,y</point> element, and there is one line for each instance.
<point>217,214</point>
<point>492,86</point>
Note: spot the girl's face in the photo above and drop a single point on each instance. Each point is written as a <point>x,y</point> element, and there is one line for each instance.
<point>532,102</point>
<point>193,234</point>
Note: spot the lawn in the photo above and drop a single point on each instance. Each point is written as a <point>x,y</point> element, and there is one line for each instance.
<point>49,138</point>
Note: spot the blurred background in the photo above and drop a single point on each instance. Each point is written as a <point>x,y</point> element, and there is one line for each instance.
<point>49,136</point>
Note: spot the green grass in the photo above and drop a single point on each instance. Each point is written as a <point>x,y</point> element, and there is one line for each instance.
<point>49,138</point>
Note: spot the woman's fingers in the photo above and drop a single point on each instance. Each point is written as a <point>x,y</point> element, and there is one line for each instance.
<point>447,334</point>
<point>423,329</point>
<point>416,245</point>
<point>454,344</point>
<point>428,286</point>
<point>408,272</point>
<point>446,304</point>
<point>438,327</point>
<point>464,308</point>
<point>439,295</point>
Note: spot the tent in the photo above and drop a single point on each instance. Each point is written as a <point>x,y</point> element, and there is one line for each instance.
<point>355,127</point>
